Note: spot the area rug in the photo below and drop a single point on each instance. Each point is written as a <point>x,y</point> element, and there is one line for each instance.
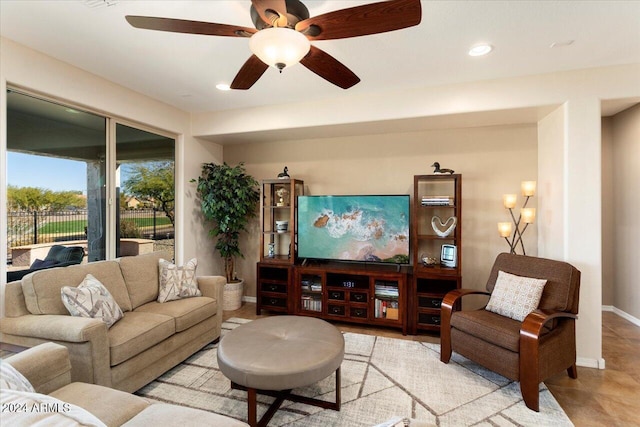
<point>382,379</point>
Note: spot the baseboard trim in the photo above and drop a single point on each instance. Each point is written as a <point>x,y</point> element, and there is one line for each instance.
<point>622,314</point>
<point>590,363</point>
<point>249,299</point>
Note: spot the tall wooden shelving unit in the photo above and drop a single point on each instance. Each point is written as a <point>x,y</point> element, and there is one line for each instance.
<point>431,282</point>
<point>278,248</point>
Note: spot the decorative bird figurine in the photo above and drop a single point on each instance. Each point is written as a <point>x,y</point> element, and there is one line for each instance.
<point>284,174</point>
<point>437,169</point>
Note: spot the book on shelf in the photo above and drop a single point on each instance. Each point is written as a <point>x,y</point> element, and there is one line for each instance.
<point>311,304</point>
<point>437,201</point>
<point>386,309</point>
<point>386,291</point>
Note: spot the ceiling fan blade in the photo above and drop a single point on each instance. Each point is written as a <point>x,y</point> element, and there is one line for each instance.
<point>278,6</point>
<point>362,20</point>
<point>329,68</point>
<point>250,72</point>
<point>189,27</point>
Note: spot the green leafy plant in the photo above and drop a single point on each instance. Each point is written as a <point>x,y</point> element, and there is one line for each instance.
<point>228,198</point>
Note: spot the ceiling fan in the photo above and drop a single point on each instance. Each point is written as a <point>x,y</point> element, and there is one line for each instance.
<point>283,31</point>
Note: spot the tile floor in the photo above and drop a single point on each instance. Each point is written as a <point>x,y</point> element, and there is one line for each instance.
<point>609,397</point>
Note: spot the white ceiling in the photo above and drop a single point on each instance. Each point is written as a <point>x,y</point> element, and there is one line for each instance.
<point>182,70</point>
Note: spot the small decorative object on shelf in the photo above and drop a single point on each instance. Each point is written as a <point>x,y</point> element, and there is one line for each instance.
<point>526,217</point>
<point>282,226</point>
<point>272,250</point>
<point>284,174</point>
<point>438,225</point>
<point>440,171</point>
<point>429,261</point>
<point>283,194</point>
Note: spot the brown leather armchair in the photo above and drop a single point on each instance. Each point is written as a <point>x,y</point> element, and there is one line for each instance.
<point>531,351</point>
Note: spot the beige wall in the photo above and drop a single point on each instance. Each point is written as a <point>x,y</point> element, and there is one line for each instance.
<point>608,213</point>
<point>626,232</point>
<point>492,160</point>
<point>25,68</point>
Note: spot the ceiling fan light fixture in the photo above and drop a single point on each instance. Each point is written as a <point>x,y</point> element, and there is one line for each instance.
<point>279,47</point>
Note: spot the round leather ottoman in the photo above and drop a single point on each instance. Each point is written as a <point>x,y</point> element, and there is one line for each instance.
<point>280,353</point>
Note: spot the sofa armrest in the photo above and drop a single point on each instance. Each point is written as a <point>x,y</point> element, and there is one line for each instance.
<point>86,339</point>
<point>55,327</point>
<point>46,366</point>
<point>213,287</point>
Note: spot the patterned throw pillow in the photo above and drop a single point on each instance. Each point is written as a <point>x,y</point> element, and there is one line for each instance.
<point>515,296</point>
<point>91,299</point>
<point>12,379</point>
<point>177,282</point>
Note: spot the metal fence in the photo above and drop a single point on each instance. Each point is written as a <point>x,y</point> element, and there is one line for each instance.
<point>26,228</point>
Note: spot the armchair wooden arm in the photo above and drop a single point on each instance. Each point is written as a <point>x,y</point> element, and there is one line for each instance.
<point>450,303</point>
<point>529,353</point>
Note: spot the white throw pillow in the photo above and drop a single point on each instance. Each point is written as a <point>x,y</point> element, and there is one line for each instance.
<point>12,379</point>
<point>21,408</point>
<point>177,282</point>
<point>91,299</point>
<point>515,296</point>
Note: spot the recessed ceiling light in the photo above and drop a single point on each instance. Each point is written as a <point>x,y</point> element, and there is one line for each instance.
<point>223,86</point>
<point>561,43</point>
<point>480,49</point>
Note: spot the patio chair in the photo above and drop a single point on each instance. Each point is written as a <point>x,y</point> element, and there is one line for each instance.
<point>58,256</point>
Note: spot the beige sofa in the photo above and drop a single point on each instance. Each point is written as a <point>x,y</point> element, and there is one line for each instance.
<point>150,339</point>
<point>48,369</point>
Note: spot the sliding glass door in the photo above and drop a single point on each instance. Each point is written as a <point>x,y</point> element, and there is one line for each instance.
<point>79,178</point>
<point>145,191</point>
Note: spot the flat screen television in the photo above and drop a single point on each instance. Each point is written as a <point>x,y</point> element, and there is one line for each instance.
<point>354,228</point>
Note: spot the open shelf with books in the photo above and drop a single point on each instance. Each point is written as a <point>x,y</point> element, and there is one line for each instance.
<point>352,293</point>
<point>436,246</point>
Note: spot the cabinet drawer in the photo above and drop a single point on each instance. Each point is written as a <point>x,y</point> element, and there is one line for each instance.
<point>273,287</point>
<point>335,295</point>
<point>359,312</point>
<point>273,301</point>
<point>358,297</point>
<point>336,310</point>
<point>429,319</point>
<point>429,302</point>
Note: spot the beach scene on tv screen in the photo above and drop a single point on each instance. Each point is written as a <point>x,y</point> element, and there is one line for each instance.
<point>354,228</point>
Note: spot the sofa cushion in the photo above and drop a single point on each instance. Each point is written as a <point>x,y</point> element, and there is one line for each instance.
<point>42,288</point>
<point>158,414</point>
<point>141,276</point>
<point>91,299</point>
<point>112,407</point>
<point>137,332</point>
<point>177,282</point>
<point>185,312</point>
<point>49,411</point>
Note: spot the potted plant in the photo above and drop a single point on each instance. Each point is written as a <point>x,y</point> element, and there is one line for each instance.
<point>228,198</point>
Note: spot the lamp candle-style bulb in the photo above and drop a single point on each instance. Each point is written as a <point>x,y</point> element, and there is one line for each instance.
<point>509,200</point>
<point>504,228</point>
<point>528,215</point>
<point>528,188</point>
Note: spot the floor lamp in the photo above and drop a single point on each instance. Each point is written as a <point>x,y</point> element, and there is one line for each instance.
<point>526,217</point>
